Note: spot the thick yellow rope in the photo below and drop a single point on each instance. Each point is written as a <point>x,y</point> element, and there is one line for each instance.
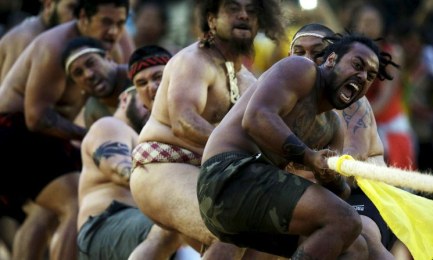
<point>347,166</point>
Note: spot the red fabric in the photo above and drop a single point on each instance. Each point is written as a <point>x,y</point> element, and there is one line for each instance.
<point>395,105</point>
<point>149,152</point>
<point>400,152</point>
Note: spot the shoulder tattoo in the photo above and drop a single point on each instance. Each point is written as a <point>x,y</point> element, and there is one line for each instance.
<point>109,149</point>
<point>358,115</point>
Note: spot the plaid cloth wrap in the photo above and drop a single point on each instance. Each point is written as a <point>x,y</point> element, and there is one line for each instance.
<point>149,152</point>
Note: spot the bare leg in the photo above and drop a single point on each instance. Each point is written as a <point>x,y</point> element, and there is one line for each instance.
<point>329,224</point>
<point>221,250</point>
<point>8,229</point>
<point>357,250</point>
<point>166,193</point>
<point>159,244</point>
<point>31,239</point>
<point>371,233</point>
<point>400,251</point>
<point>61,196</point>
<point>254,255</point>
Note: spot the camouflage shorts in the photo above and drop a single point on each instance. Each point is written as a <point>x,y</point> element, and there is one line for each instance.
<point>249,202</point>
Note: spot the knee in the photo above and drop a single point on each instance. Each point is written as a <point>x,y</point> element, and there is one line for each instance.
<point>358,249</point>
<point>349,223</point>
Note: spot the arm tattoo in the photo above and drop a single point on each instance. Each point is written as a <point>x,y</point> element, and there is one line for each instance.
<point>110,149</point>
<point>363,120</point>
<point>53,123</point>
<point>301,255</point>
<point>294,149</point>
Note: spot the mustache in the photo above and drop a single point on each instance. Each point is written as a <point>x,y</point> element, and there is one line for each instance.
<point>244,26</point>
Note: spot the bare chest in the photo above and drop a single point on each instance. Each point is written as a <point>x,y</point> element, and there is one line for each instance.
<point>315,130</point>
<point>218,101</point>
<point>71,102</point>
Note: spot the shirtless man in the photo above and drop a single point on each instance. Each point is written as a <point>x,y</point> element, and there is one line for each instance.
<point>104,195</point>
<point>37,109</point>
<point>247,198</point>
<point>199,85</point>
<point>361,140</point>
<point>13,43</point>
<point>94,67</point>
<point>146,84</point>
<point>38,220</point>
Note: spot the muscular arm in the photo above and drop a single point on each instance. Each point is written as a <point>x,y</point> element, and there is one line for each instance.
<point>45,87</point>
<point>13,43</point>
<point>277,93</point>
<point>187,96</point>
<point>109,144</point>
<point>272,110</point>
<point>361,138</point>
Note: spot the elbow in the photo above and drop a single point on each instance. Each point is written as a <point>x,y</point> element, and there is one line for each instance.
<point>178,129</point>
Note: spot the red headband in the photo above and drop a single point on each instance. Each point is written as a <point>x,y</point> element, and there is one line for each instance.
<point>145,63</point>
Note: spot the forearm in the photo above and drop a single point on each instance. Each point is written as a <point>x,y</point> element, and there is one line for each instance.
<point>54,124</point>
<point>114,160</point>
<point>339,186</point>
<point>196,131</point>
<point>294,149</point>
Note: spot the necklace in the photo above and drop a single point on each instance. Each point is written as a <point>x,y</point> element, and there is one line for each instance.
<point>233,81</point>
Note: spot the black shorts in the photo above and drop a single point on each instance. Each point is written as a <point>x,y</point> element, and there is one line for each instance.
<point>30,161</point>
<point>247,201</point>
<point>364,206</point>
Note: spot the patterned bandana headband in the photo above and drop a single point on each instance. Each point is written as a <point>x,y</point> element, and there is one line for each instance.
<point>80,53</point>
<point>146,62</point>
<point>299,35</point>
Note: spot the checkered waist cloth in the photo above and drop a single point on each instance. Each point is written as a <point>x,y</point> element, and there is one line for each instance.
<point>150,152</point>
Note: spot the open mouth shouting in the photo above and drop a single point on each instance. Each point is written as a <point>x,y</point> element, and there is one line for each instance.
<point>349,92</point>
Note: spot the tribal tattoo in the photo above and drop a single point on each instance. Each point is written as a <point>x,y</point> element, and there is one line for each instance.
<point>359,115</point>
<point>110,149</point>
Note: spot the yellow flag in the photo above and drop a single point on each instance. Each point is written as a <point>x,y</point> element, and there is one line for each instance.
<point>409,216</point>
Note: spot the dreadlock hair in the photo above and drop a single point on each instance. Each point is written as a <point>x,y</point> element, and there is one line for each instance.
<point>341,44</point>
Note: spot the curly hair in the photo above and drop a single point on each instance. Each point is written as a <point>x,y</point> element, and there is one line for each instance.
<point>342,43</point>
<point>269,14</point>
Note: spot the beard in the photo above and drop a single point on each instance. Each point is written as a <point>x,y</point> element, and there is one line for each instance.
<point>332,92</point>
<point>132,114</point>
<point>243,46</point>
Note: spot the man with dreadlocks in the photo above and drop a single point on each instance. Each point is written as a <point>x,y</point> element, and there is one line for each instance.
<point>361,140</point>
<point>245,195</point>
<point>199,85</point>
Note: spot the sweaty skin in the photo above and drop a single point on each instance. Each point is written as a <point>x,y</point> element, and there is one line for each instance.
<point>360,133</point>
<point>276,116</point>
